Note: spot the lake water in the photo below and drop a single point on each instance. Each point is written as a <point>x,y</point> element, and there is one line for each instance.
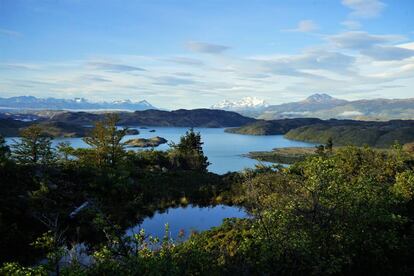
<point>224,150</point>
<point>186,219</point>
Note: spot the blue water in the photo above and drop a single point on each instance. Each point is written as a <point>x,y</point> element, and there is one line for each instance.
<point>224,150</point>
<point>186,219</point>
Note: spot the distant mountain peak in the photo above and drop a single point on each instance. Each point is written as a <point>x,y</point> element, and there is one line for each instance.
<point>320,98</point>
<point>30,102</point>
<point>243,103</point>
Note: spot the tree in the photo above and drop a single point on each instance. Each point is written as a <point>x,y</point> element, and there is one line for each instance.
<point>330,214</point>
<point>105,140</point>
<point>34,147</point>
<point>320,150</point>
<point>64,150</point>
<point>4,150</point>
<point>188,153</point>
<point>329,145</point>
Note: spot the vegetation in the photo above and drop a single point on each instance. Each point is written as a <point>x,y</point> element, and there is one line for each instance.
<point>146,143</point>
<point>380,135</point>
<point>34,147</point>
<point>341,211</point>
<point>283,155</point>
<point>12,128</point>
<point>273,127</point>
<point>343,132</point>
<point>178,118</point>
<point>189,153</point>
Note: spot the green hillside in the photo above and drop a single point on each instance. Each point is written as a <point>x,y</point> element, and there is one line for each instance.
<point>357,135</point>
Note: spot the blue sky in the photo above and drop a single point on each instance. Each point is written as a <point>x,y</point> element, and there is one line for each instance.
<point>187,54</point>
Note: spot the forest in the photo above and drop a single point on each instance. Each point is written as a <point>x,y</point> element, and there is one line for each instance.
<point>348,211</point>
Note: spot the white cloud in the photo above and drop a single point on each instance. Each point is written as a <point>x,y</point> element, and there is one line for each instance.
<point>113,67</point>
<point>304,26</point>
<point>364,8</point>
<point>362,40</point>
<point>208,48</point>
<point>378,47</point>
<point>351,65</point>
<point>351,24</point>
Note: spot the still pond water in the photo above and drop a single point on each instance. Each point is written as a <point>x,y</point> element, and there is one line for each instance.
<point>186,220</point>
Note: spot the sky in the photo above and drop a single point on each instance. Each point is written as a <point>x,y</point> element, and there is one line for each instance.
<point>191,54</point>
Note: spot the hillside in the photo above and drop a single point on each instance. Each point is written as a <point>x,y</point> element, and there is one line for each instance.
<point>73,124</point>
<point>380,135</point>
<point>324,106</point>
<point>273,127</point>
<point>177,118</point>
<point>343,132</point>
<point>11,128</point>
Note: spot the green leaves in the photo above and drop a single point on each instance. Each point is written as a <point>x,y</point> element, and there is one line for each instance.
<point>336,212</point>
<point>33,148</point>
<point>105,141</point>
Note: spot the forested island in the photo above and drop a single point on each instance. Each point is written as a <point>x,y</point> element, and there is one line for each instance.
<point>341,210</point>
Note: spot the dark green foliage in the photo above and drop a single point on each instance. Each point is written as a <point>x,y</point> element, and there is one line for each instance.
<point>329,145</point>
<point>273,127</point>
<point>380,134</point>
<point>33,147</point>
<point>4,150</point>
<point>346,213</point>
<point>188,153</point>
<point>105,141</point>
<point>343,132</point>
<point>40,199</point>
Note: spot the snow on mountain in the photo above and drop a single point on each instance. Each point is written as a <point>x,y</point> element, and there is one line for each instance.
<point>30,102</point>
<point>242,104</point>
<point>322,99</point>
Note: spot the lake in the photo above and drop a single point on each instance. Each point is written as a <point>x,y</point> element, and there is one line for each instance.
<point>186,219</point>
<point>224,150</point>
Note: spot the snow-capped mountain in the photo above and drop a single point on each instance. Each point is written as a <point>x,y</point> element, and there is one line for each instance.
<point>247,103</point>
<point>322,99</point>
<point>30,102</point>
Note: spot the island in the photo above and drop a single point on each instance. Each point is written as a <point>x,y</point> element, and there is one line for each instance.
<point>146,143</point>
<point>132,132</point>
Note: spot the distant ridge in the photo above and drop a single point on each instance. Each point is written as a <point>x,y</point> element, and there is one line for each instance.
<point>30,102</point>
<point>324,106</point>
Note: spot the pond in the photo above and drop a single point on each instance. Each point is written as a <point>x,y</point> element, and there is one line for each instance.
<point>180,219</point>
<point>224,150</point>
<point>186,220</point>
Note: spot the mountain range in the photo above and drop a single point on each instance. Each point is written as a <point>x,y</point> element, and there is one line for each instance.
<point>30,102</point>
<point>244,104</point>
<point>324,106</point>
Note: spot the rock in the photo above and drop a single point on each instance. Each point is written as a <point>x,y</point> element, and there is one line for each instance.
<point>152,130</point>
